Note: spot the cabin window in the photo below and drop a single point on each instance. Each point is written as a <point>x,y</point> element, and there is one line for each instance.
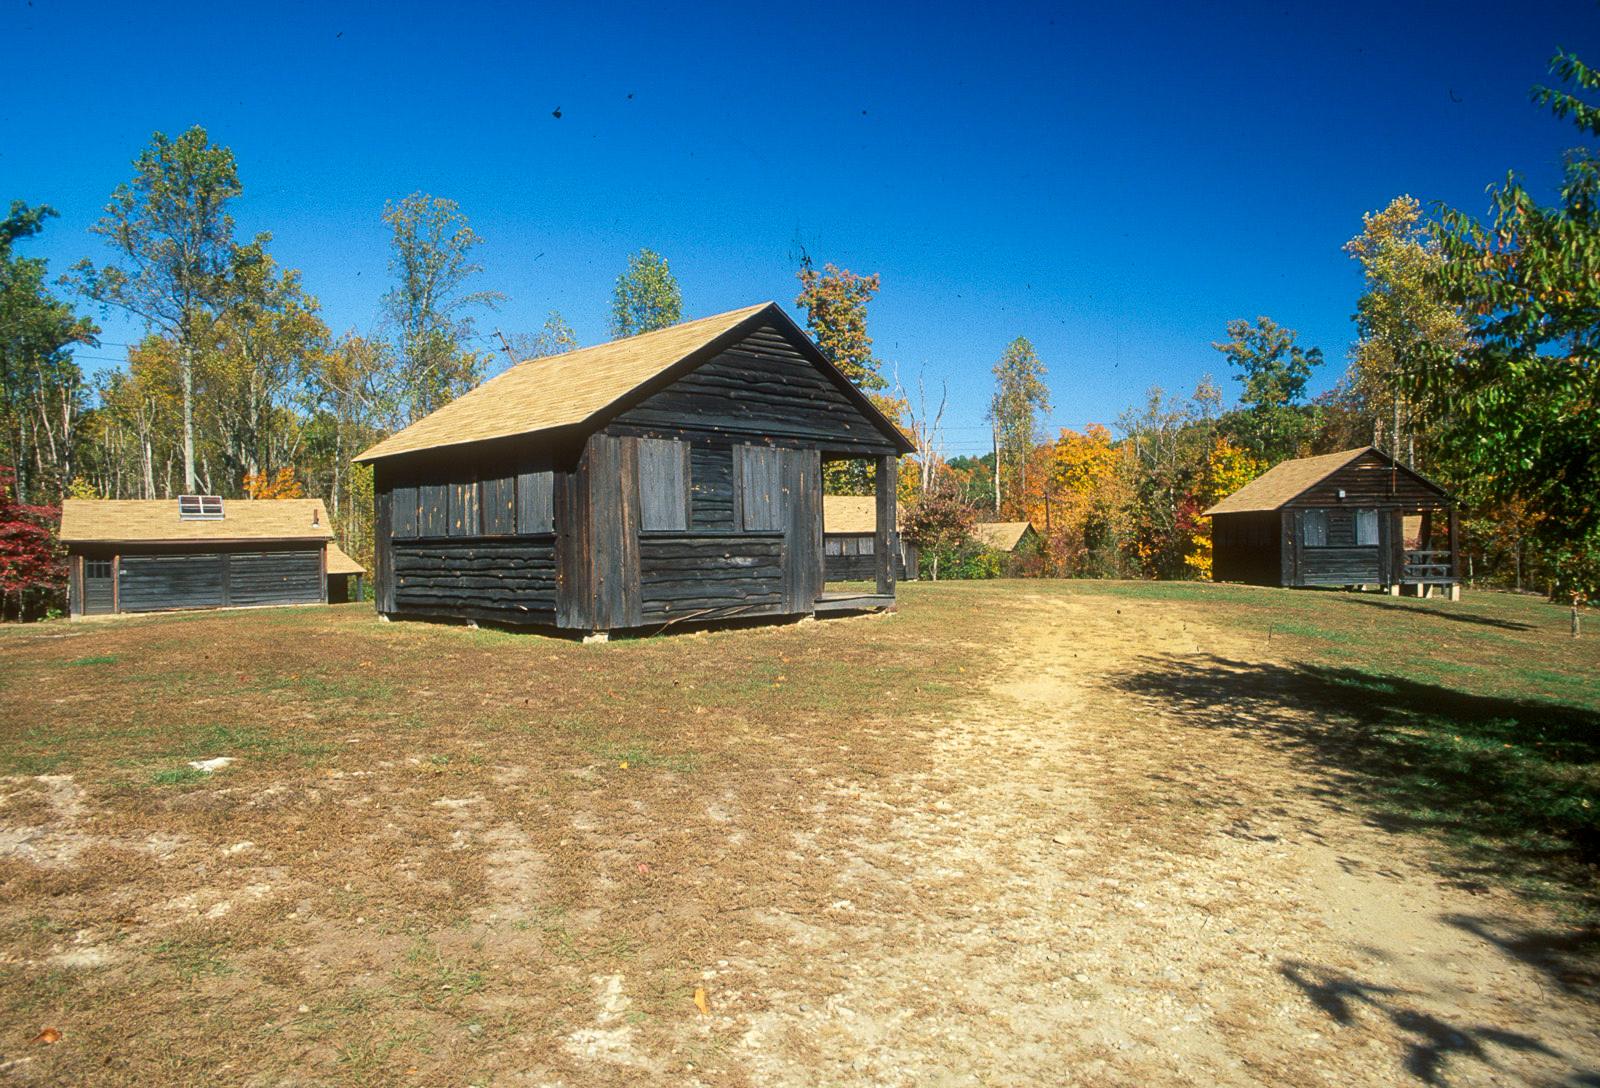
<point>500,506</point>
<point>536,503</point>
<point>760,489</point>
<point>403,513</point>
<point>1314,528</point>
<point>97,568</point>
<point>663,484</point>
<point>1366,528</point>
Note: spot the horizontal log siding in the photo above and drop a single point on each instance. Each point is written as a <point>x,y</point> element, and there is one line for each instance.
<point>1338,566</point>
<point>274,578</point>
<point>512,581</point>
<point>762,386</point>
<point>684,574</point>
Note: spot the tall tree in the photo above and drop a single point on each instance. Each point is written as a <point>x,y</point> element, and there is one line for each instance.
<point>1402,316</point>
<point>429,306</point>
<point>1020,398</point>
<point>835,301</point>
<point>1274,371</point>
<point>645,297</point>
<point>41,389</point>
<point>1519,408</point>
<point>171,229</point>
<point>268,344</point>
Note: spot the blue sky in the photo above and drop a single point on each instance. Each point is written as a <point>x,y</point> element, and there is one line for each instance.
<point>1113,181</point>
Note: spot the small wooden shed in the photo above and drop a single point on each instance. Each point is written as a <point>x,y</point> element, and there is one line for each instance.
<point>849,541</point>
<point>1338,520</point>
<point>1005,536</point>
<point>670,477</point>
<point>196,551</point>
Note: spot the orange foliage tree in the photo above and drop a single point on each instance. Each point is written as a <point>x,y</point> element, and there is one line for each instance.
<point>279,485</point>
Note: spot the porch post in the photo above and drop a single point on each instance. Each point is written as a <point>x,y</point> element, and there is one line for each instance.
<point>1455,555</point>
<point>885,537</point>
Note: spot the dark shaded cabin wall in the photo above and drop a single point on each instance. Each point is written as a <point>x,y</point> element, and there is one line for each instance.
<point>1247,548</point>
<point>468,533</point>
<point>1370,481</point>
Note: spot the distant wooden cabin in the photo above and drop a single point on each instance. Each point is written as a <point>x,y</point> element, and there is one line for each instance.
<point>849,541</point>
<point>670,477</point>
<point>1338,520</point>
<point>1010,537</point>
<point>345,577</point>
<point>198,551</point>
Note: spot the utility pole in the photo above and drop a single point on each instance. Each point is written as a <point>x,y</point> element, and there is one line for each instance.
<point>994,432</point>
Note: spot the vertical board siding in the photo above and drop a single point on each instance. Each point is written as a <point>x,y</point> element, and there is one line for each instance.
<point>801,489</point>
<point>500,506</point>
<point>403,502</point>
<point>760,487</point>
<point>663,484</point>
<point>382,547</point>
<point>535,502</point>
<point>434,516</point>
<point>464,508</point>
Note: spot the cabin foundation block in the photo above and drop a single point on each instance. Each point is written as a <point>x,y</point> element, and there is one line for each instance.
<point>1455,592</point>
<point>596,636</point>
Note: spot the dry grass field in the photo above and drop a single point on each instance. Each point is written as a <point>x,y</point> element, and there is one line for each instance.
<point>1017,833</point>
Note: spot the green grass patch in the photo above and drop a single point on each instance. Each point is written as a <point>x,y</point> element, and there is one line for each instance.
<point>178,776</point>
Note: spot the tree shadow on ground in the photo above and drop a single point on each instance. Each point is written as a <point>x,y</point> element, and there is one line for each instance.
<point>1509,781</point>
<point>1431,1043</point>
<point>1389,604</point>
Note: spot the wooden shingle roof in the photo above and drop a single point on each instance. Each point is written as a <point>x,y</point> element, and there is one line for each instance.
<point>855,514</point>
<point>339,562</point>
<point>1001,535</point>
<point>85,521</point>
<point>582,386</point>
<point>1283,483</point>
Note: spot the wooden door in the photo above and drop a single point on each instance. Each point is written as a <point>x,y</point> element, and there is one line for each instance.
<point>801,474</point>
<point>97,576</point>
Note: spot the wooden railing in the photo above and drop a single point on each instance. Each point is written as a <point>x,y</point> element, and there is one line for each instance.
<point>1428,566</point>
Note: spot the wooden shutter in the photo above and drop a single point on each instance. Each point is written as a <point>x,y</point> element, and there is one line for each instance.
<point>663,484</point>
<point>761,488</point>
<point>536,503</point>
<point>404,503</point>
<point>433,518</point>
<point>500,506</point>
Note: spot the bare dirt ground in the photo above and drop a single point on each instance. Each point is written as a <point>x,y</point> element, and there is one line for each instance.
<point>1067,875</point>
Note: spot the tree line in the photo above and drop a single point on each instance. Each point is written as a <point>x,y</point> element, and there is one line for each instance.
<point>1476,360</point>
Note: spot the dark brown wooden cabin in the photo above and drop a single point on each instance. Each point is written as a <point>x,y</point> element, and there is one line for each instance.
<point>670,477</point>
<point>154,555</point>
<point>1338,520</point>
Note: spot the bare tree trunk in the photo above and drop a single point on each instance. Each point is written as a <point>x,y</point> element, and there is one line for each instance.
<point>186,379</point>
<point>994,430</point>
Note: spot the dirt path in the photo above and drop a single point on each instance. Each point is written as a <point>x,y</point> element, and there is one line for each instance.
<point>1085,889</point>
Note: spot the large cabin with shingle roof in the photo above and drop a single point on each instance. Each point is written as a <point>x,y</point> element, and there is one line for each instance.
<point>199,551</point>
<point>671,477</point>
<point>1341,519</point>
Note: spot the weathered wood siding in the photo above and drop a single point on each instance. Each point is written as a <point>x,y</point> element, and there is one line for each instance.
<point>849,557</point>
<point>1370,481</point>
<point>173,580</point>
<point>763,386</point>
<point>711,575</point>
<point>511,581</point>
